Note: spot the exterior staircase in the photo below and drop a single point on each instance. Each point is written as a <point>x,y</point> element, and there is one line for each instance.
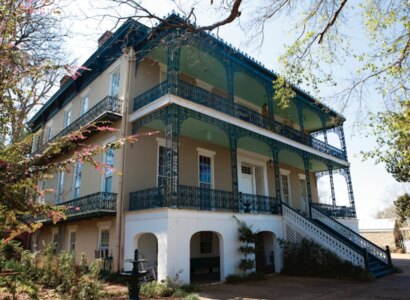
<point>338,238</point>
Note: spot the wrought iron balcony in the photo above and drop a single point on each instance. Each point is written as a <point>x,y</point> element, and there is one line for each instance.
<point>108,109</point>
<point>197,198</point>
<point>98,204</point>
<point>329,210</point>
<point>222,104</point>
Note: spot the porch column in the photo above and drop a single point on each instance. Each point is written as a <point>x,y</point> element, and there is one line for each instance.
<point>348,178</point>
<point>172,128</point>
<point>332,185</point>
<point>233,145</point>
<point>306,163</point>
<point>299,106</point>
<point>174,54</point>
<point>275,156</point>
<point>230,83</point>
<point>323,119</point>
<point>340,132</point>
<point>270,91</point>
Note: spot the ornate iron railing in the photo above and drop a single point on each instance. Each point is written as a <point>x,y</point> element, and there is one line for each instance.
<point>190,197</point>
<point>343,212</point>
<point>349,234</point>
<point>108,104</point>
<point>222,104</point>
<point>298,227</point>
<point>259,204</point>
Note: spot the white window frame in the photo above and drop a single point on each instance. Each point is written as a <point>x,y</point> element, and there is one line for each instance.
<point>83,98</point>
<point>71,229</point>
<point>101,227</point>
<point>286,173</point>
<point>35,143</point>
<point>115,69</point>
<point>254,162</point>
<point>67,112</point>
<point>47,134</point>
<point>60,189</point>
<point>111,139</point>
<point>160,143</point>
<point>74,180</point>
<point>211,154</point>
<point>55,232</point>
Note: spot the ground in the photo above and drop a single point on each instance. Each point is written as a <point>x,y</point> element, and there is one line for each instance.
<point>396,286</point>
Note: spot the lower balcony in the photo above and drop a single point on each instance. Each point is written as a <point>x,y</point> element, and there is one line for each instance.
<point>94,205</point>
<point>342,212</point>
<point>196,198</point>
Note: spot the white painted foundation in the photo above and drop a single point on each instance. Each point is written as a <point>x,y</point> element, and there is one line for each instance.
<point>174,228</point>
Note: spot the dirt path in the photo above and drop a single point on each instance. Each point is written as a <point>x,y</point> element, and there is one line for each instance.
<point>396,286</point>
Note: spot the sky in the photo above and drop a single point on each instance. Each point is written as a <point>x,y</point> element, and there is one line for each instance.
<point>373,187</point>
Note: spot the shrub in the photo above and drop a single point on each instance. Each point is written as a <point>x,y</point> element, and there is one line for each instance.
<point>310,259</point>
<point>192,297</point>
<point>191,288</point>
<point>152,289</point>
<point>234,279</point>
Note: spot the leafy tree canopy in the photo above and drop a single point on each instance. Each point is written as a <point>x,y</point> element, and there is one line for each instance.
<point>402,205</point>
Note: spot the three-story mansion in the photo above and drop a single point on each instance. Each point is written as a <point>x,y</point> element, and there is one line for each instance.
<point>221,148</point>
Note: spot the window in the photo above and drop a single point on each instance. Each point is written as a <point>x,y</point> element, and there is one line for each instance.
<point>161,163</point>
<point>55,241</point>
<point>285,187</point>
<point>36,141</point>
<point>41,186</point>
<point>67,118</point>
<point>84,104</point>
<point>115,83</point>
<point>77,180</point>
<point>104,239</point>
<point>60,187</point>
<point>109,162</point>
<point>47,134</point>
<point>72,240</point>
<point>206,242</point>
<point>205,172</point>
<point>303,193</point>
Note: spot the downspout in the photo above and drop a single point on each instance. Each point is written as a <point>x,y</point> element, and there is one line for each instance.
<point>129,56</point>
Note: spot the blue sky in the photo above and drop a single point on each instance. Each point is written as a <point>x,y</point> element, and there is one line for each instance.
<point>374,188</point>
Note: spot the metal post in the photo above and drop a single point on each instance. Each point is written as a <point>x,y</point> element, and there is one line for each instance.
<point>299,107</point>
<point>332,185</point>
<point>174,54</point>
<point>233,144</point>
<point>366,259</point>
<point>308,186</point>
<point>230,83</point>
<point>275,155</point>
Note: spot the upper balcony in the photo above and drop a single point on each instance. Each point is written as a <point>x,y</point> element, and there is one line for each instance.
<point>108,109</point>
<point>93,205</point>
<point>204,97</point>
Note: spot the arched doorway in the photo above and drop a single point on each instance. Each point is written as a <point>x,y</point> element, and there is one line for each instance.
<point>147,245</point>
<point>265,252</point>
<point>205,257</point>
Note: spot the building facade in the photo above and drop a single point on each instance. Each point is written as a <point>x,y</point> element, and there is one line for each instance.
<point>212,144</point>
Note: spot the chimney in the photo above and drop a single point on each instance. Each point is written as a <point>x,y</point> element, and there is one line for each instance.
<point>64,80</point>
<point>106,35</point>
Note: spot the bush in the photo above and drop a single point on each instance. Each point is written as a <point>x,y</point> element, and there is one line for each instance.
<point>310,259</point>
<point>234,279</point>
<point>152,289</point>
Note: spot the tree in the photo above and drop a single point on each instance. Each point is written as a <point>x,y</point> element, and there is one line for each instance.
<point>402,205</point>
<point>321,45</point>
<point>31,53</point>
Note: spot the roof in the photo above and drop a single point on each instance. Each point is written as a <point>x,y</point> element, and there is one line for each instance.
<point>112,45</point>
<point>377,225</point>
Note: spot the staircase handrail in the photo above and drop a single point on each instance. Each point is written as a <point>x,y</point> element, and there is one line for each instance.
<point>360,253</point>
<point>371,248</point>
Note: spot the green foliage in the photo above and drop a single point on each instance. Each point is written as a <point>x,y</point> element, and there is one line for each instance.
<point>392,130</point>
<point>234,279</point>
<point>152,289</point>
<point>309,259</point>
<point>249,238</point>
<point>402,205</point>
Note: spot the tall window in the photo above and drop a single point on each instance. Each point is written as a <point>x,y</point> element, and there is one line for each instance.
<point>115,84</point>
<point>55,241</point>
<point>41,186</point>
<point>104,239</point>
<point>47,134</point>
<point>84,104</point>
<point>67,118</point>
<point>60,187</point>
<point>77,180</point>
<point>205,172</point>
<point>109,161</point>
<point>161,166</point>
<point>206,242</point>
<point>72,241</point>
<point>285,187</point>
